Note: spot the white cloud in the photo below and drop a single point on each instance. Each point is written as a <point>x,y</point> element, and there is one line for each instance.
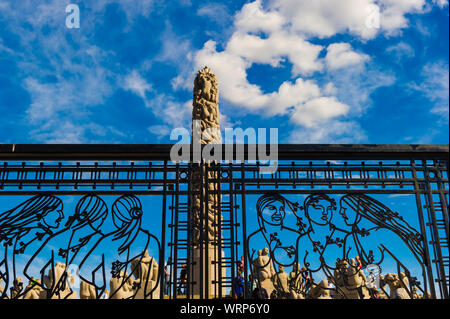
<point>160,131</point>
<point>330,89</point>
<point>135,83</point>
<point>340,55</point>
<point>326,18</point>
<point>175,49</point>
<point>73,78</point>
<point>234,86</point>
<point>64,80</point>
<point>401,50</point>
<point>215,11</point>
<point>274,49</point>
<point>441,3</point>
<point>318,111</point>
<point>231,70</point>
<point>253,18</point>
<point>333,132</point>
<point>435,86</point>
<point>354,85</point>
<point>301,99</point>
<point>170,111</point>
<point>281,32</point>
<point>288,27</point>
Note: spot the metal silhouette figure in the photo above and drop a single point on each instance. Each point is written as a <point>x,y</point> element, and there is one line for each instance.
<point>83,229</point>
<point>21,228</point>
<point>129,254</point>
<point>323,230</point>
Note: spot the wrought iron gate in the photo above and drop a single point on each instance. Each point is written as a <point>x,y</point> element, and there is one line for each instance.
<point>313,215</point>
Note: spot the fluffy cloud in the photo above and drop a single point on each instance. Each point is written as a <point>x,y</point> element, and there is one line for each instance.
<point>341,55</point>
<point>135,83</point>
<point>67,76</point>
<point>159,130</point>
<point>363,18</point>
<point>435,87</point>
<point>401,50</point>
<point>215,11</point>
<point>274,49</point>
<point>301,99</point>
<point>441,3</point>
<point>283,31</point>
<point>318,111</point>
<point>334,131</point>
<point>234,86</point>
<point>253,18</point>
<point>325,18</point>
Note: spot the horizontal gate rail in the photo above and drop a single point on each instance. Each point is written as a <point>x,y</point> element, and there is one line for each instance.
<point>162,151</point>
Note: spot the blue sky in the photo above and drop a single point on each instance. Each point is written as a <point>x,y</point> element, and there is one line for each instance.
<point>326,71</point>
<point>320,71</point>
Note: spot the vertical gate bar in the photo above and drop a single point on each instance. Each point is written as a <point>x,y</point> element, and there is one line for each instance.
<point>175,226</point>
<point>173,278</point>
<point>163,235</point>
<point>442,199</point>
<point>219,218</point>
<point>236,247</point>
<point>444,211</point>
<point>432,242</point>
<point>201,189</point>
<point>206,219</point>
<point>423,231</point>
<point>189,262</point>
<point>232,243</point>
<point>436,243</point>
<point>244,232</point>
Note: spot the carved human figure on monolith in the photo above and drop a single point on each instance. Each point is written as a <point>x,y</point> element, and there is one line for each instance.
<point>205,219</point>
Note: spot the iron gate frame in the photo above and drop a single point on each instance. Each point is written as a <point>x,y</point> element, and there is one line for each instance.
<point>429,189</point>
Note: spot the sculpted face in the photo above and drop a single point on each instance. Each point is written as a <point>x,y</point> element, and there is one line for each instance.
<point>53,216</point>
<point>92,212</point>
<point>348,214</point>
<point>274,213</point>
<point>320,211</point>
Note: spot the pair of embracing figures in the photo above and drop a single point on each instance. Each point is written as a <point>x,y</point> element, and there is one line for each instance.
<point>35,229</point>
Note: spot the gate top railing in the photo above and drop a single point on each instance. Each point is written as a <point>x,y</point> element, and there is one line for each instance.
<point>162,151</point>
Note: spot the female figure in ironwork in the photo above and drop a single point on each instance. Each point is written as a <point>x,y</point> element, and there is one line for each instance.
<point>324,241</point>
<point>130,243</point>
<point>359,211</point>
<point>82,230</point>
<point>281,239</point>
<point>369,219</point>
<point>21,228</point>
